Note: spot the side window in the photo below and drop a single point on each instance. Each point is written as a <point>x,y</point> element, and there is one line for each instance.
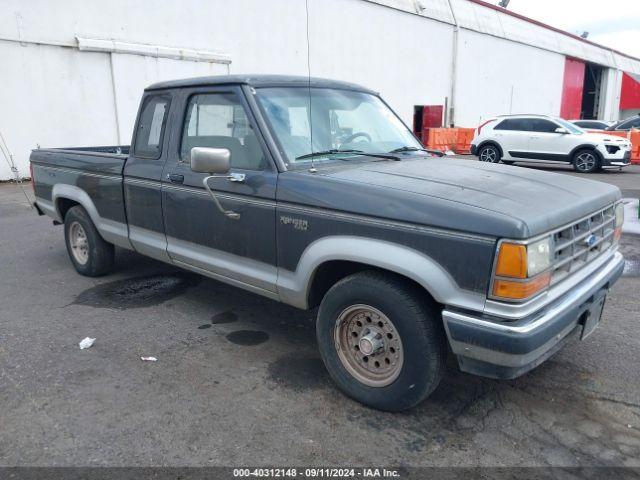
<point>514,124</point>
<point>635,123</point>
<point>218,120</point>
<point>151,126</point>
<point>542,126</point>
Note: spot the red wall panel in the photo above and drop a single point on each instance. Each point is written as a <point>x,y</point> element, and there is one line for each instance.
<point>572,87</point>
<point>630,97</point>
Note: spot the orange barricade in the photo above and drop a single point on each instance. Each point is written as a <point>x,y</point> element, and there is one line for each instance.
<point>634,137</point>
<point>442,138</point>
<point>465,136</point>
<point>457,140</point>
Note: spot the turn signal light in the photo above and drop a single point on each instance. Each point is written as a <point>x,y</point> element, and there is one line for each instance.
<point>617,233</point>
<point>520,290</point>
<point>512,261</point>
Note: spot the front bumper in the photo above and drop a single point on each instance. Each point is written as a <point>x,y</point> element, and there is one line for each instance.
<point>499,348</point>
<point>621,158</point>
<point>473,149</point>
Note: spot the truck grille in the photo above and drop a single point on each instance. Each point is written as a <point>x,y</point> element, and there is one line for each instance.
<point>581,242</point>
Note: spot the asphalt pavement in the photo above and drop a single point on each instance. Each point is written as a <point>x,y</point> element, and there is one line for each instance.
<point>238,379</point>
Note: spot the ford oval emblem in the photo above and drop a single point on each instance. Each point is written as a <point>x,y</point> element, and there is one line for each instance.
<point>591,240</point>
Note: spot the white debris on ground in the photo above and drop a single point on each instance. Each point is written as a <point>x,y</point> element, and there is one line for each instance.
<point>86,343</point>
<point>631,221</point>
<point>149,359</point>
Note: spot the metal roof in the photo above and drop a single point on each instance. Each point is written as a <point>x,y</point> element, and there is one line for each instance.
<point>255,80</point>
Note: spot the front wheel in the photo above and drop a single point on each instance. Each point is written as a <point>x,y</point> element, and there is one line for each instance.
<point>489,153</point>
<point>586,161</point>
<point>90,254</point>
<point>381,340</point>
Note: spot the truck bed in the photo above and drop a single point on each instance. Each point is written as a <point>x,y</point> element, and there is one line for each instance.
<point>108,160</point>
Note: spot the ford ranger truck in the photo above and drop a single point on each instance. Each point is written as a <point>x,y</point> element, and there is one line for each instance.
<point>314,193</point>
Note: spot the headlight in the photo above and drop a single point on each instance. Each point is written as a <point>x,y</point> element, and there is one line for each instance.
<point>522,271</point>
<point>538,256</point>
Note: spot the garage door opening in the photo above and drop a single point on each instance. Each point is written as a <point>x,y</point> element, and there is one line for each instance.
<point>591,91</point>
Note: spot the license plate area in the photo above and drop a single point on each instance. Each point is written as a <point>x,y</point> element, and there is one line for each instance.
<point>593,314</point>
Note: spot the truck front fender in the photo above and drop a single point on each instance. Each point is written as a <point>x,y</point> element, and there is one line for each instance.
<point>293,287</point>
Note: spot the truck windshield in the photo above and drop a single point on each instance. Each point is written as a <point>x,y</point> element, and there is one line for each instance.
<point>342,123</point>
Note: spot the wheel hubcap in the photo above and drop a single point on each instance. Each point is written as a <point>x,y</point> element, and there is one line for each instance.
<point>368,345</point>
<point>585,161</point>
<point>79,243</point>
<point>488,155</point>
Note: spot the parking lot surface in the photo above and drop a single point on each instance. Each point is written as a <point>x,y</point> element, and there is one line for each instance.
<point>238,379</point>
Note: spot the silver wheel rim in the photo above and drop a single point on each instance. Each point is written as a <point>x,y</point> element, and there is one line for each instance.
<point>585,161</point>
<point>79,243</point>
<point>368,345</point>
<point>488,155</point>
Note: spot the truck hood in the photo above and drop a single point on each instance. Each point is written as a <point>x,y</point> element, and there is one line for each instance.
<point>478,197</point>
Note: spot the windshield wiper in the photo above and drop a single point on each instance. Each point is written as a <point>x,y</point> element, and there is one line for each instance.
<point>327,152</point>
<point>407,148</point>
<point>358,152</point>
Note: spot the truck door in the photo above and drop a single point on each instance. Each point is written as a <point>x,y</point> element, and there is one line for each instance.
<point>239,248</point>
<point>143,175</point>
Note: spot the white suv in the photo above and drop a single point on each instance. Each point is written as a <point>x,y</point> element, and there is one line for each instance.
<point>528,138</point>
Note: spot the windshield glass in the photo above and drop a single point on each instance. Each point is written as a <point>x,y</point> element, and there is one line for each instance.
<point>570,126</point>
<point>333,120</point>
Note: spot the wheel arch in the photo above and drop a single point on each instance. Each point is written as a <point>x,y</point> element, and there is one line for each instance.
<point>585,146</point>
<point>329,259</point>
<point>490,142</point>
<point>66,196</point>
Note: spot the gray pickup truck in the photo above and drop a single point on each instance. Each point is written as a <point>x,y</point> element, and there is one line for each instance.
<point>314,193</point>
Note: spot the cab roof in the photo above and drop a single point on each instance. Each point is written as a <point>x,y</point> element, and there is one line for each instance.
<point>259,81</point>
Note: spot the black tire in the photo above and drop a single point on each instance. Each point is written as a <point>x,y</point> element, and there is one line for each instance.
<point>418,323</point>
<point>99,256</point>
<point>586,161</point>
<point>489,153</point>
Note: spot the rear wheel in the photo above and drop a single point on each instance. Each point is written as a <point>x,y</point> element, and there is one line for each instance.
<point>90,254</point>
<point>381,340</point>
<point>586,161</point>
<point>489,153</point>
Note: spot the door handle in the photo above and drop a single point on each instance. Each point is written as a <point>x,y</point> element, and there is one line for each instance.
<point>175,178</point>
<point>236,177</point>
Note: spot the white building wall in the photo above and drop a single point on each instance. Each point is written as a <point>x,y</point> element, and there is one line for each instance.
<point>392,52</point>
<point>610,92</point>
<point>53,96</point>
<point>495,77</point>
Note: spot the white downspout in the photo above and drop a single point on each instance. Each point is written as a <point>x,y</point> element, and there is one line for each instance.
<point>450,115</point>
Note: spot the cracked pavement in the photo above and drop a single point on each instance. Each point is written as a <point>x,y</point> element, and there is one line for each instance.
<point>239,381</point>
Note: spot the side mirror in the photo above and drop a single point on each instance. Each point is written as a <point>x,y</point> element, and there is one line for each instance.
<point>561,130</point>
<point>210,160</point>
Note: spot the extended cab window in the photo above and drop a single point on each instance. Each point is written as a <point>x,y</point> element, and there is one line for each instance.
<point>219,120</point>
<point>517,124</point>
<point>151,125</point>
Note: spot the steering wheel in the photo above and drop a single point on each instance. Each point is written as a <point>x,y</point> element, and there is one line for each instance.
<point>351,138</point>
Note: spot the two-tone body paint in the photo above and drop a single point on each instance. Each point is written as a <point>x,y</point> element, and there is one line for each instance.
<point>436,221</point>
